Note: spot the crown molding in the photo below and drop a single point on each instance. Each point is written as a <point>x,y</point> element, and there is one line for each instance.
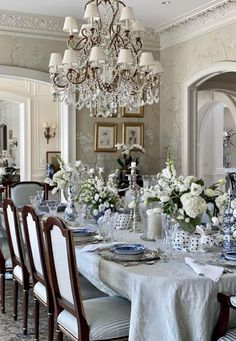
<point>221,14</point>
<point>48,27</point>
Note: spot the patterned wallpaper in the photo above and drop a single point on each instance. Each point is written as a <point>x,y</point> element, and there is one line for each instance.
<point>180,63</point>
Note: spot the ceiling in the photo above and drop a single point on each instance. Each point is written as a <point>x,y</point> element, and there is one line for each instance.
<point>152,12</point>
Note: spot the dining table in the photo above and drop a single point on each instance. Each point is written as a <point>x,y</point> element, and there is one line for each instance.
<point>169,301</point>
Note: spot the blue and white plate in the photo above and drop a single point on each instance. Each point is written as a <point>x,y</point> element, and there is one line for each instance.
<point>82,232</point>
<point>230,255</point>
<point>129,249</point>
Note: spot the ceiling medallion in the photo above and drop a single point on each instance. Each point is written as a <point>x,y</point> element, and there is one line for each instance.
<point>104,67</point>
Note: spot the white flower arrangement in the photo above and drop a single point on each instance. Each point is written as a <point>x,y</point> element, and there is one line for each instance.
<point>99,195</point>
<point>68,174</point>
<point>184,200</point>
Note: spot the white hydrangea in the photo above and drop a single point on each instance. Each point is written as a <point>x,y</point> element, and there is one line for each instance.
<point>193,205</point>
<point>195,189</point>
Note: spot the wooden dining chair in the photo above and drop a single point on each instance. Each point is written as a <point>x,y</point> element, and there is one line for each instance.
<point>3,271</point>
<point>20,192</point>
<point>105,318</point>
<point>37,262</point>
<point>20,272</point>
<point>221,331</point>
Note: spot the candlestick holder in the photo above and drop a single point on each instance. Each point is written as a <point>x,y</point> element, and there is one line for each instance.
<point>134,188</point>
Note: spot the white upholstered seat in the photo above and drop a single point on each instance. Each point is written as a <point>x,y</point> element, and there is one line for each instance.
<point>229,336</point>
<point>107,317</point>
<point>40,292</point>
<point>17,271</point>
<point>88,290</point>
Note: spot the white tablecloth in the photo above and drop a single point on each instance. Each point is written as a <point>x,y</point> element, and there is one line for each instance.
<point>169,301</point>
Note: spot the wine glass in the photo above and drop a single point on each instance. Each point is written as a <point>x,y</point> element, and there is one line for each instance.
<point>40,195</point>
<point>170,229</point>
<point>52,207</point>
<point>34,201</point>
<point>81,212</point>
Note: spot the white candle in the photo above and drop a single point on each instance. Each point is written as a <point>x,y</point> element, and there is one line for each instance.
<point>154,227</point>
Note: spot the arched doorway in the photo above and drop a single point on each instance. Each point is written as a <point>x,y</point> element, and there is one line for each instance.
<point>190,113</point>
<point>67,118</point>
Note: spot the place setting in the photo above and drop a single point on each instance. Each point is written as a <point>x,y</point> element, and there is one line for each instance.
<point>130,254</point>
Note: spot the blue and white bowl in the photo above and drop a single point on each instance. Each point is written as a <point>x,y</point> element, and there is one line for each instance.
<point>230,255</point>
<point>129,249</point>
<point>83,232</point>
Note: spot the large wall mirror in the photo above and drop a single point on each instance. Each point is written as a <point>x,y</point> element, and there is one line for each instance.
<point>3,137</point>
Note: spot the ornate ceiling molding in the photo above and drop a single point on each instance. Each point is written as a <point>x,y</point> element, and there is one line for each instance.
<point>32,25</point>
<point>208,20</point>
<point>47,27</point>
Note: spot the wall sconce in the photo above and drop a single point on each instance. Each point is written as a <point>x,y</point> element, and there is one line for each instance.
<point>50,130</point>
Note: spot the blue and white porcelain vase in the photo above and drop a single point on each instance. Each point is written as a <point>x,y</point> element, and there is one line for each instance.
<point>70,208</point>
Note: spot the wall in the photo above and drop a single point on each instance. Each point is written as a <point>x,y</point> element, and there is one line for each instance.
<point>42,109</point>
<point>180,63</point>
<point>149,162</point>
<point>26,52</point>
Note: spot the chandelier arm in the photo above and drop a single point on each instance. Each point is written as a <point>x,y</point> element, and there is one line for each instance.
<point>115,12</point>
<point>137,49</point>
<point>115,40</point>
<point>76,46</point>
<point>72,72</point>
<point>54,80</point>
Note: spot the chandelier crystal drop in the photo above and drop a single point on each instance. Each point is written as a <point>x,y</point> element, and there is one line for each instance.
<point>104,67</point>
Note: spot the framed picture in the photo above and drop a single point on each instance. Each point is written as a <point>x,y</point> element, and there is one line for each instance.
<point>134,112</point>
<point>105,137</point>
<point>51,158</point>
<point>133,133</point>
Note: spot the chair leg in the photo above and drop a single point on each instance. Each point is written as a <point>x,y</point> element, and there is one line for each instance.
<point>25,310</point>
<point>15,299</point>
<point>50,326</point>
<point>36,319</point>
<point>59,335</point>
<point>2,289</point>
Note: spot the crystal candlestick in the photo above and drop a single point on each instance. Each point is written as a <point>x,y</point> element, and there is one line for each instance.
<point>133,186</point>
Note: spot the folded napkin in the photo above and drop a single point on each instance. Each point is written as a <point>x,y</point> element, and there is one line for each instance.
<point>100,246</point>
<point>210,271</point>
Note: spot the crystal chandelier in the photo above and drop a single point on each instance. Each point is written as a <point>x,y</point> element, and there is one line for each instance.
<point>104,67</point>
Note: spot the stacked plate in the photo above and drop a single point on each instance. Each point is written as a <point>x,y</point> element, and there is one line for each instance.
<point>129,251</point>
<point>230,255</point>
<point>84,235</point>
